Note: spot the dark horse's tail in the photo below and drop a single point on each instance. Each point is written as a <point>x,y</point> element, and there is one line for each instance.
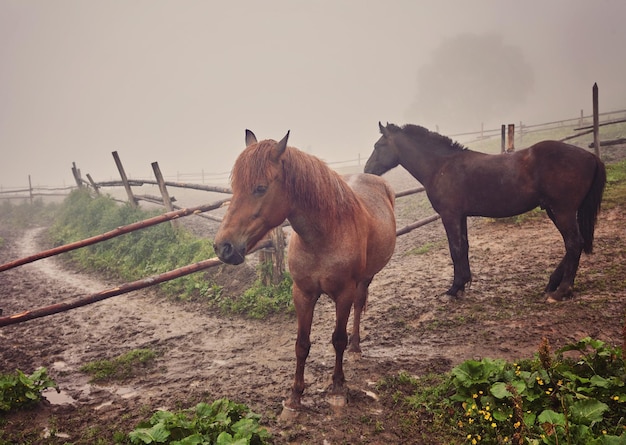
<point>590,207</point>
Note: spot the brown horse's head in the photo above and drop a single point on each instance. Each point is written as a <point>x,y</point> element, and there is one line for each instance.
<point>259,201</point>
<point>385,155</point>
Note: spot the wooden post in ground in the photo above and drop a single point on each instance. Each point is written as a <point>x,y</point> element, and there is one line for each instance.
<point>96,189</point>
<point>167,202</point>
<point>30,190</point>
<point>596,121</point>
<point>272,259</point>
<point>502,138</point>
<point>131,198</point>
<point>76,174</point>
<point>510,146</point>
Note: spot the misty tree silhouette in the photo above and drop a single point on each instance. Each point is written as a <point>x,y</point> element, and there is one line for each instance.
<point>471,79</point>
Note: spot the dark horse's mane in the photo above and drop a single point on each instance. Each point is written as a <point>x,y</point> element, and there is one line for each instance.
<point>308,180</point>
<point>421,134</point>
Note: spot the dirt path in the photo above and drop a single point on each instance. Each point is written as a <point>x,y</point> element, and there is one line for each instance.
<point>408,326</point>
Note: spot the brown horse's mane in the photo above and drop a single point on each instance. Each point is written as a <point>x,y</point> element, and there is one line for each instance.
<point>308,180</point>
<point>424,135</point>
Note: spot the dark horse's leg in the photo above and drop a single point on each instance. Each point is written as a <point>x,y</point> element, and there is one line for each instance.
<point>561,281</point>
<point>359,304</point>
<point>456,230</point>
<point>557,276</point>
<point>304,305</point>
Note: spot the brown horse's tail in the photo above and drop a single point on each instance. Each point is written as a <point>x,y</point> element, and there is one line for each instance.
<point>590,207</point>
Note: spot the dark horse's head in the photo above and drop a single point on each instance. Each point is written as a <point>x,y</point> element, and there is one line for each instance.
<point>385,155</point>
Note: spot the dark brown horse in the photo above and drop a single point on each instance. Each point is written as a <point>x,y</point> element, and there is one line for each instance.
<point>566,181</point>
<point>344,233</point>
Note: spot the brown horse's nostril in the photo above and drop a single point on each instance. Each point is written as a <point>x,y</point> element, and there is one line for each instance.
<point>228,253</point>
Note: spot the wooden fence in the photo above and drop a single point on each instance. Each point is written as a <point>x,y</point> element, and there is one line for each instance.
<point>275,242</point>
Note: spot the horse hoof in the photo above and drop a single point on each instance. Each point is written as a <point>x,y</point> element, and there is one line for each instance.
<point>288,414</point>
<point>551,299</point>
<point>354,356</point>
<point>337,400</point>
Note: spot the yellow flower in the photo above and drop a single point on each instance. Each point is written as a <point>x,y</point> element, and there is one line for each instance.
<point>475,396</point>
<point>616,398</point>
<point>517,424</point>
<point>493,425</point>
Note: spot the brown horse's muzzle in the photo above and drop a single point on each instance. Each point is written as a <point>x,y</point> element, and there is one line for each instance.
<point>229,253</point>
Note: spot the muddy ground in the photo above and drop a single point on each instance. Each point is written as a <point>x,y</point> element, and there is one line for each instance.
<point>408,327</point>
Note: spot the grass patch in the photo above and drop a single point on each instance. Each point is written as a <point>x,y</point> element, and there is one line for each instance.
<point>423,249</point>
<point>24,214</point>
<point>260,300</point>
<point>121,367</point>
<point>615,191</point>
<point>150,251</point>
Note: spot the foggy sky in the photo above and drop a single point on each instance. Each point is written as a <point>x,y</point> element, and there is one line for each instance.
<point>178,82</point>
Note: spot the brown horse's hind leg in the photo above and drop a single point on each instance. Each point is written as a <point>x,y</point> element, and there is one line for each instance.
<point>343,305</point>
<point>304,311</point>
<point>359,306</point>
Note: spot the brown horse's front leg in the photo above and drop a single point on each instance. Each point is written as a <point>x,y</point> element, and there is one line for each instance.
<point>304,312</point>
<point>456,230</point>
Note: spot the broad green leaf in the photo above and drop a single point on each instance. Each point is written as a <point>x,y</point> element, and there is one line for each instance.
<point>226,439</point>
<point>551,417</point>
<point>499,390</point>
<point>588,411</point>
<point>194,439</point>
<point>596,380</point>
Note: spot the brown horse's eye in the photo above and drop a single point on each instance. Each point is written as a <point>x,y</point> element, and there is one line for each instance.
<point>260,189</point>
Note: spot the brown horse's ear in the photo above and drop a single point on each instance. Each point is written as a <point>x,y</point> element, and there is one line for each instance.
<point>280,148</point>
<point>250,138</point>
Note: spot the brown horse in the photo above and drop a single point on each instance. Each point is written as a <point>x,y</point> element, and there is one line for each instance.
<point>566,181</point>
<point>344,233</point>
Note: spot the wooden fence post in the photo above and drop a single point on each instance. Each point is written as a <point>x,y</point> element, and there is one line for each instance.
<point>30,190</point>
<point>272,259</point>
<point>96,189</point>
<point>596,120</point>
<point>131,198</point>
<point>502,138</point>
<point>167,202</point>
<point>76,174</point>
<point>510,147</point>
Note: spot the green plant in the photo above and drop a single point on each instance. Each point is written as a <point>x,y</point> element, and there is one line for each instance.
<point>576,395</point>
<point>260,300</point>
<point>149,251</point>
<point>120,367</point>
<point>18,389</point>
<point>221,422</point>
